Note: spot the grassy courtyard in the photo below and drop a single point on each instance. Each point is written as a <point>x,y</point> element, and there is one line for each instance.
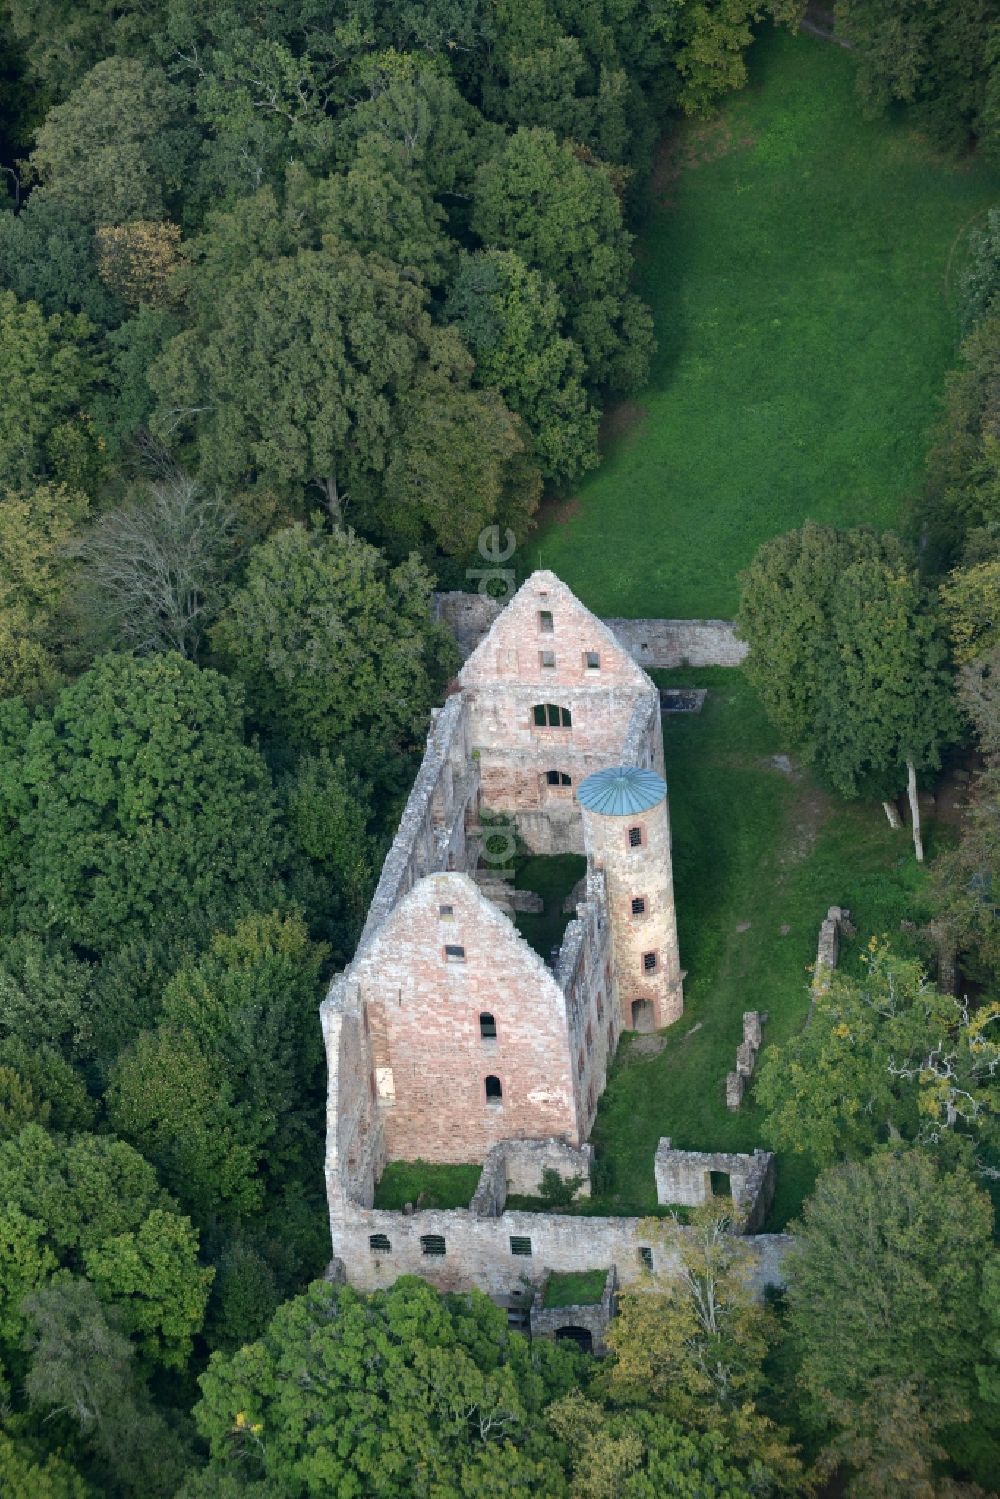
<point>759,855</point>
<point>797,265</point>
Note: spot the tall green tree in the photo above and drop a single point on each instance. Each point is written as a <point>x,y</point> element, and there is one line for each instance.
<point>334,647</point>
<point>48,374</point>
<point>250,1004</point>
<point>938,57</point>
<point>556,206</point>
<point>47,256</point>
<point>82,1366</point>
<point>399,1393</point>
<point>37,527</point>
<point>323,369</point>
<point>510,317</point>
<point>884,1056</point>
<point>693,1343</point>
<point>92,1205</point>
<point>963,466</point>
<point>134,808</point>
<point>884,1287</point>
<point>118,148</point>
<point>849,658</point>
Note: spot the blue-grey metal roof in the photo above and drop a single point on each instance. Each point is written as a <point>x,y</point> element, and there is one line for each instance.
<point>621,791</point>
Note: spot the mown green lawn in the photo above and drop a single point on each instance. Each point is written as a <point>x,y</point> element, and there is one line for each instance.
<point>752,844</point>
<point>797,275</point>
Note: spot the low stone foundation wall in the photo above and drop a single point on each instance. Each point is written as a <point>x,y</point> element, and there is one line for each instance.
<point>684,1177</point>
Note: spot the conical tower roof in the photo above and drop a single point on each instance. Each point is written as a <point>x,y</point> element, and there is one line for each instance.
<point>622,791</point>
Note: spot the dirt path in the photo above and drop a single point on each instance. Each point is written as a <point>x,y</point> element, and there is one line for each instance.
<point>818,21</point>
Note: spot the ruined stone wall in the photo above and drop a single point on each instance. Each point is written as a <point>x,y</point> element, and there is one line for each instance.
<point>432,830</point>
<point>355,1140</point>
<point>680,642</point>
<point>518,1166</point>
<point>478,1250</point>
<point>649,642</point>
<point>683,1177</point>
<point>585,972</point>
<point>548,1322</point>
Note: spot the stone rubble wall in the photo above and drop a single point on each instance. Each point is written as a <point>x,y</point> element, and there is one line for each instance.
<point>683,1177</point>
<point>834,925</point>
<point>746,1058</point>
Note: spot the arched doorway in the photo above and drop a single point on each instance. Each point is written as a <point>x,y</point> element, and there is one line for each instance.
<point>581,1336</point>
<point>642,1014</point>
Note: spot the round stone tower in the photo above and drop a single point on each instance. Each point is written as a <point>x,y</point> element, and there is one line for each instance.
<point>626,829</point>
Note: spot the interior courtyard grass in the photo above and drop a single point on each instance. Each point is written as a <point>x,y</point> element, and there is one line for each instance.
<point>760,853</point>
<point>800,266</point>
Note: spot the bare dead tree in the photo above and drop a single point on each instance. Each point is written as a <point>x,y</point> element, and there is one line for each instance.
<point>158,565</point>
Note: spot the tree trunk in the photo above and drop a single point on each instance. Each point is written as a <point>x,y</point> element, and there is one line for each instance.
<point>332,496</point>
<point>891,814</point>
<point>911,791</point>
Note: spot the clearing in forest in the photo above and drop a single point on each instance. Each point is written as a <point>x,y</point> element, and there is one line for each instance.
<point>797,267</point>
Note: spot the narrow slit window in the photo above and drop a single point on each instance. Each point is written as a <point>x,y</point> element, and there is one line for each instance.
<point>646,1256</point>
<point>600,1005</point>
<point>454,953</point>
<point>520,1244</point>
<point>494,1089</point>
<point>487,1026</point>
<point>432,1244</point>
<point>639,905</point>
<point>379,1243</point>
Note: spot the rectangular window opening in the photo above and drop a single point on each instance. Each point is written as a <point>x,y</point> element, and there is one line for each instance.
<point>646,1256</point>
<point>432,1243</point>
<point>635,837</point>
<point>592,660</point>
<point>545,623</point>
<point>454,953</point>
<point>379,1243</point>
<point>446,912</point>
<point>547,659</point>
<point>639,906</point>
<point>520,1244</point>
<point>648,962</point>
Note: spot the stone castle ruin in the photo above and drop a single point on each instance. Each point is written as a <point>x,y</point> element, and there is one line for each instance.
<point>448,1037</point>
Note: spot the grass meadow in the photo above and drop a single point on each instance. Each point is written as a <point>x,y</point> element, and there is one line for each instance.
<point>800,263</point>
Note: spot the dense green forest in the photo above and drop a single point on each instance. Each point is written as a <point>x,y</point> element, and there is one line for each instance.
<point>296,300</point>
